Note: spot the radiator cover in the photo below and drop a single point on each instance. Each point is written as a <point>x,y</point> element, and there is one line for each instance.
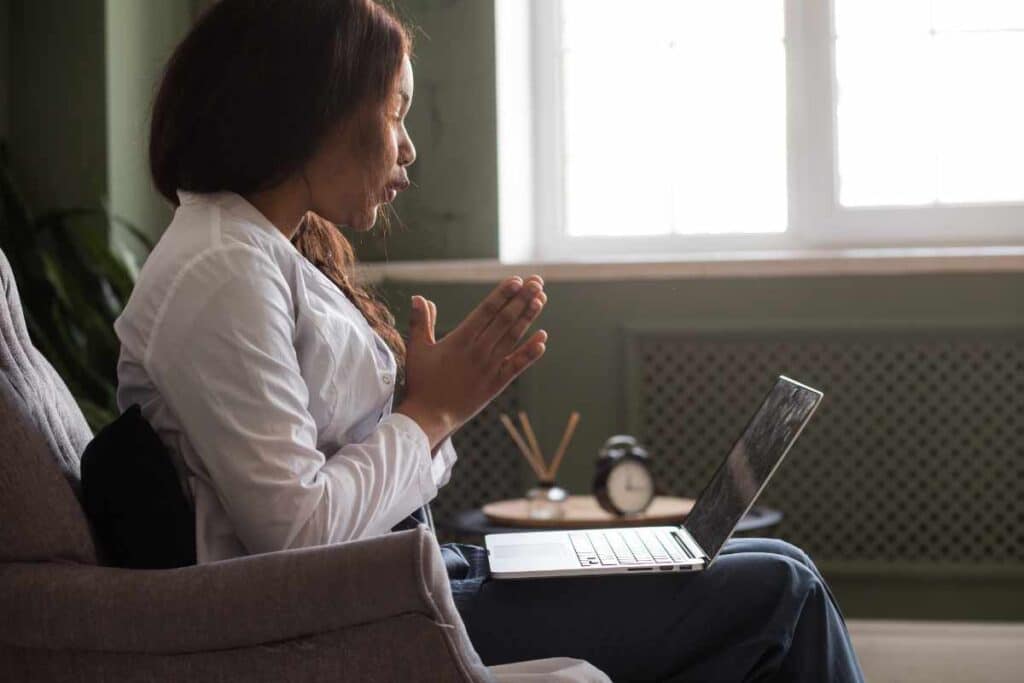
<point>915,456</point>
<point>489,466</point>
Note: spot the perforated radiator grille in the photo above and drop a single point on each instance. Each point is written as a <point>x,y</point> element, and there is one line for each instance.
<point>916,453</point>
<point>488,467</point>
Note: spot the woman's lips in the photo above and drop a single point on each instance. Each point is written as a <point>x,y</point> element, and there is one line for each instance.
<point>391,191</point>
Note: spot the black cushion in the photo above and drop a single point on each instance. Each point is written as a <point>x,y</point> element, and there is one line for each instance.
<point>133,499</point>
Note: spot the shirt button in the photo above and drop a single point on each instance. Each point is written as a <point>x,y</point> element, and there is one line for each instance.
<point>388,379</point>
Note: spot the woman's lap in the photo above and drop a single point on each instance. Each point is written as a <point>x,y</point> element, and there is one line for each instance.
<point>776,546</point>
<point>731,622</point>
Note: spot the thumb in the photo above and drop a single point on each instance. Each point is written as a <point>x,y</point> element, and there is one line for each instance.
<point>419,327</point>
<point>431,321</point>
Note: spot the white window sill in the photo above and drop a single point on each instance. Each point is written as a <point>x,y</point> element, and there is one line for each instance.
<point>888,261</point>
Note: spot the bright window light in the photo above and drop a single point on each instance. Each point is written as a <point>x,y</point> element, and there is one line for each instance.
<point>929,106</point>
<point>664,128</point>
<point>673,117</point>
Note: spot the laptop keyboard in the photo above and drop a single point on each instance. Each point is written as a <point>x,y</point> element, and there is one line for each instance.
<point>625,547</point>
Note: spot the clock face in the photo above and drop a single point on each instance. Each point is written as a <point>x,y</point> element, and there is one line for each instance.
<point>630,486</point>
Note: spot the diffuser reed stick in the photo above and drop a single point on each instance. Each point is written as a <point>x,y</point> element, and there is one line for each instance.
<point>535,464</point>
<point>570,429</point>
<point>545,472</point>
<point>531,437</point>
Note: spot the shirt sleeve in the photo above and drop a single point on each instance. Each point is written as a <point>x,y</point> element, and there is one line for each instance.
<point>223,358</point>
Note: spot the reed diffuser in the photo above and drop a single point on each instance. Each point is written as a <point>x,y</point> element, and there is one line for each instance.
<point>546,500</point>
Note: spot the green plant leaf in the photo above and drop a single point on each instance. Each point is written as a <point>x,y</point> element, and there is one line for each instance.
<point>72,286</point>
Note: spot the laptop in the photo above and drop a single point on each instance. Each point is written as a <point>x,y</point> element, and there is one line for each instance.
<point>691,546</point>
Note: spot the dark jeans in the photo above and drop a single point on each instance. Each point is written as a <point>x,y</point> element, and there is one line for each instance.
<point>761,612</point>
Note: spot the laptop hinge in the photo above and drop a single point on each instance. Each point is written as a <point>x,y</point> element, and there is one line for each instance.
<point>682,544</point>
<point>686,542</point>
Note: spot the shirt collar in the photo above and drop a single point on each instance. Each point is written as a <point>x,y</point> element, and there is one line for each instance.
<point>235,204</point>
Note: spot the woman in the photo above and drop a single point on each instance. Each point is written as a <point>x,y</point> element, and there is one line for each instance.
<point>270,373</point>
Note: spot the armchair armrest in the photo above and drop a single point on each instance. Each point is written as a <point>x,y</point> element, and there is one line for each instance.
<point>235,603</point>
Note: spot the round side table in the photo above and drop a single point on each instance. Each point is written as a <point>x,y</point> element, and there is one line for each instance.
<point>470,526</point>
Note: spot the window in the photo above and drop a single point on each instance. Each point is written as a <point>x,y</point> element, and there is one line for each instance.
<point>673,126</point>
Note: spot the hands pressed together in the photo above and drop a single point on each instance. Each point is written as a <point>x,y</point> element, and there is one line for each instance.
<point>451,380</point>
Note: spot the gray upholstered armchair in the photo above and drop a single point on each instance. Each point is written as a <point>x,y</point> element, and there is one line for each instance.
<point>373,610</point>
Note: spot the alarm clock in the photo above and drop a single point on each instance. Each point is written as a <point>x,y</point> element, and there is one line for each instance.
<point>623,482</point>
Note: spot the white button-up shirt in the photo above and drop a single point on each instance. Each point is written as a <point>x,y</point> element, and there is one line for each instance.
<point>271,391</point>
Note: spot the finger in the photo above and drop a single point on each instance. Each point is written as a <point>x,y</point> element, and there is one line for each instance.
<point>432,320</point>
<point>526,355</point>
<point>506,319</point>
<point>533,310</point>
<point>482,315</point>
<point>418,324</point>
<point>538,337</point>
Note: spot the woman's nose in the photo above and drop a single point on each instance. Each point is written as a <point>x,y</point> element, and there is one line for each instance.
<point>406,152</point>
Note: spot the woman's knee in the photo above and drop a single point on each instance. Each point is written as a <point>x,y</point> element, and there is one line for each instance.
<point>776,546</point>
<point>785,572</point>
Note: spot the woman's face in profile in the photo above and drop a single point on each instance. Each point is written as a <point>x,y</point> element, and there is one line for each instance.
<point>362,163</point>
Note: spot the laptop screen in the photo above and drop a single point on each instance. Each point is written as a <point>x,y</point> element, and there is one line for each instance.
<point>741,476</point>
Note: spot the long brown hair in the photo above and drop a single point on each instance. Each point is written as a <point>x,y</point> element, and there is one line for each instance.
<point>250,92</point>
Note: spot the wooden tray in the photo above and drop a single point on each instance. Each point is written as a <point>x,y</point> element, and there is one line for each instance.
<point>583,511</point>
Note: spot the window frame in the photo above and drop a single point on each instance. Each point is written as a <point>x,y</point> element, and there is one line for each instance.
<point>816,219</point>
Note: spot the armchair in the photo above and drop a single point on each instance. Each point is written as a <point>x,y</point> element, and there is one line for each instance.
<point>370,610</point>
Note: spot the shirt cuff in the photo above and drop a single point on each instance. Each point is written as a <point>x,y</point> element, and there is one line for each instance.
<point>411,431</point>
<point>441,468</point>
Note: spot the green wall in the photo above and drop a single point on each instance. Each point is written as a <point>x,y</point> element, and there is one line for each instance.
<point>453,214</point>
<point>76,85</point>
<point>5,58</point>
<point>582,370</point>
<point>140,36</point>
<point>82,77</point>
<point>56,104</point>
<point>452,210</point>
<point>79,84</point>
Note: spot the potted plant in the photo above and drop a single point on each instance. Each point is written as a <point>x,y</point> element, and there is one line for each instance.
<point>73,284</point>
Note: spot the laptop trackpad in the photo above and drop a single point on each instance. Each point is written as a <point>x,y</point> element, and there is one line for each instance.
<point>512,552</point>
<point>536,555</point>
